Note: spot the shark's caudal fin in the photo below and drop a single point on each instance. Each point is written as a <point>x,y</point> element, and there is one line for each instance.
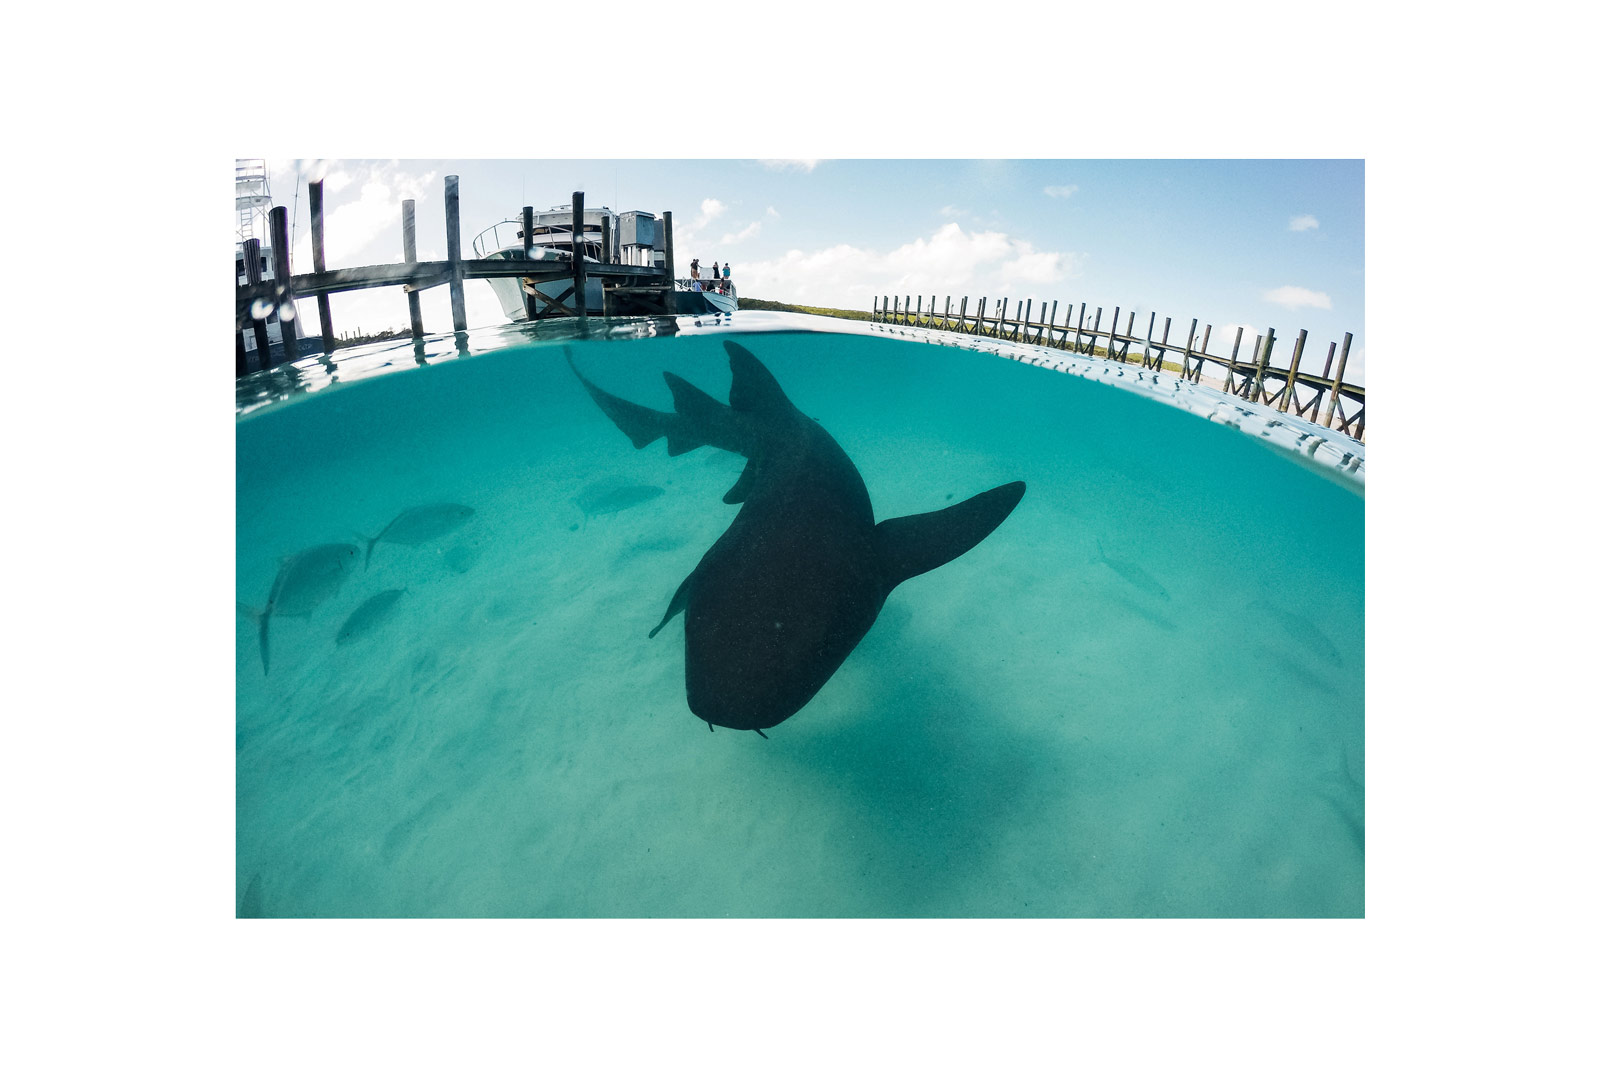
<point>908,546</point>
<point>697,418</point>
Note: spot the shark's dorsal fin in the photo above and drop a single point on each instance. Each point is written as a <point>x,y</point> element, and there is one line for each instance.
<point>908,546</point>
<point>701,420</point>
<point>754,388</point>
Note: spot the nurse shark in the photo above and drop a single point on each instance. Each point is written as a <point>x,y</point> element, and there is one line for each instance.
<point>782,598</point>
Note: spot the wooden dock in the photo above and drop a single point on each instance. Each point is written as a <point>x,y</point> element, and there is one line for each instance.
<point>626,289</point>
<point>1251,378</point>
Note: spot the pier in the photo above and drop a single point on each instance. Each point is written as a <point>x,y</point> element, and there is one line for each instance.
<point>627,289</point>
<point>1251,377</point>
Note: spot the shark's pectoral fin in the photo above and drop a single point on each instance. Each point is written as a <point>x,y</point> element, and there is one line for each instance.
<point>741,489</point>
<point>680,599</point>
<point>908,546</point>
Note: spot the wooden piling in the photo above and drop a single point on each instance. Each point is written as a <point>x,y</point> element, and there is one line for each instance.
<point>318,264</point>
<point>252,275</point>
<point>1200,361</point>
<point>1265,353</point>
<point>580,273</point>
<point>1294,372</point>
<point>527,255</point>
<point>282,278</point>
<point>672,279</point>
<point>1338,381</point>
<point>1233,359</point>
<point>408,238</point>
<point>452,239</point>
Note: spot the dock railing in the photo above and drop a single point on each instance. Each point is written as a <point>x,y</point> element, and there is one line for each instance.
<point>1252,378</point>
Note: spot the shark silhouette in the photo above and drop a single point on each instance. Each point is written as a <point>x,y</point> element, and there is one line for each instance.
<point>783,597</point>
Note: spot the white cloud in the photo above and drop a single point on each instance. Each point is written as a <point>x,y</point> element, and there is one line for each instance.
<point>1036,267</point>
<point>951,261</point>
<point>353,228</point>
<point>1062,192</point>
<point>688,232</point>
<point>1355,370</point>
<point>1303,223</point>
<point>951,211</point>
<point>772,211</point>
<point>1221,342</point>
<point>791,164</point>
<point>750,230</point>
<point>710,210</point>
<point>1295,297</point>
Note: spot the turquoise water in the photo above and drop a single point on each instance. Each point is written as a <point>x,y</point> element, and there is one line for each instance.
<point>1175,728</point>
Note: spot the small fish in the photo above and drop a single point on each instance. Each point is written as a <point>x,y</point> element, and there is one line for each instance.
<point>305,580</point>
<point>1135,575</point>
<point>425,523</point>
<point>1300,674</point>
<point>462,557</point>
<point>602,499</point>
<point>1307,635</point>
<point>250,906</point>
<point>368,616</point>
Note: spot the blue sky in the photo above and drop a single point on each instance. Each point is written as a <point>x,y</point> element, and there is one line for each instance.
<point>1255,243</point>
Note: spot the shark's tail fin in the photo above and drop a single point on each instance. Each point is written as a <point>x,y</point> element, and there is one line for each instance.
<point>697,418</point>
<point>908,546</point>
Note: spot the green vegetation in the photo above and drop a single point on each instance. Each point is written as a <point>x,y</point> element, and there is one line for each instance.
<point>794,308</point>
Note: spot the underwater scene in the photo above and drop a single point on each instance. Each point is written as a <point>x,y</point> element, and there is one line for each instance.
<point>868,627</point>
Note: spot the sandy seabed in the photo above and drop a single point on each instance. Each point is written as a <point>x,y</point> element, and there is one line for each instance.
<point>1173,729</point>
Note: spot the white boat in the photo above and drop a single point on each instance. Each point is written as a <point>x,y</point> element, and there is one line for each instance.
<point>634,240</point>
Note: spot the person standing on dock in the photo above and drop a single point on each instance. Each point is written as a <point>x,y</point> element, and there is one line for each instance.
<point>694,269</point>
